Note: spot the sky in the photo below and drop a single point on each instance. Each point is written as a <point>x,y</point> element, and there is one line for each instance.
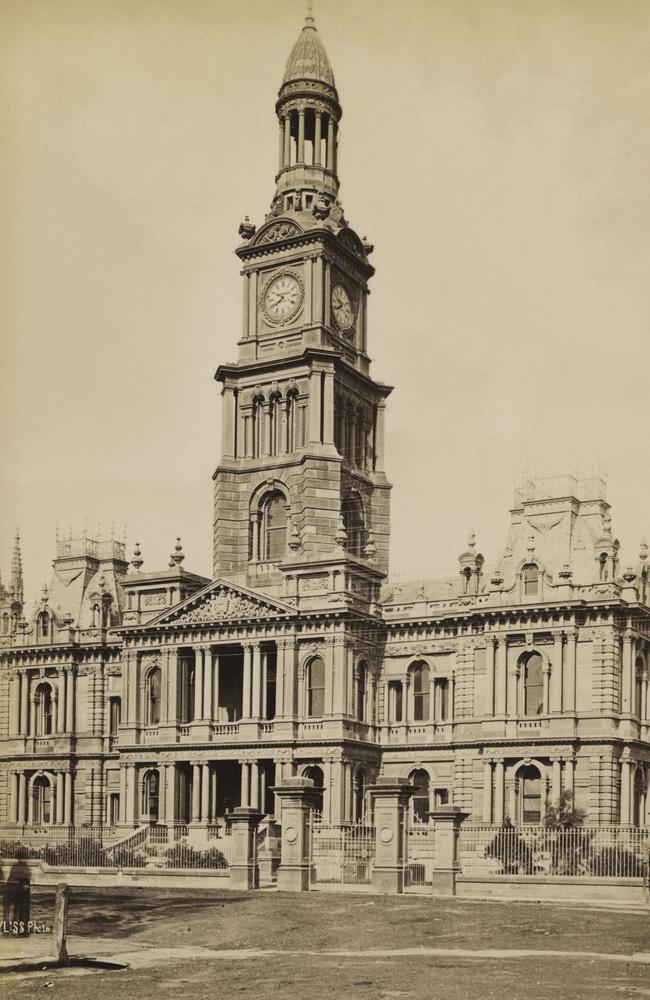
<point>497,154</point>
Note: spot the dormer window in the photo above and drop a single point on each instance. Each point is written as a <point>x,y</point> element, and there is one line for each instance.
<point>530,575</point>
<point>602,560</point>
<point>44,625</point>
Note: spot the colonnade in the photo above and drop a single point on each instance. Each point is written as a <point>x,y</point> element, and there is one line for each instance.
<point>500,786</point>
<point>23,687</point>
<point>21,787</point>
<point>292,124</point>
<point>503,679</point>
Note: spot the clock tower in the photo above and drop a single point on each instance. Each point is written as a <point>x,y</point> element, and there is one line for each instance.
<point>301,479</point>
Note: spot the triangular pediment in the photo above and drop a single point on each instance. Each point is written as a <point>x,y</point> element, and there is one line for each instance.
<point>223,602</point>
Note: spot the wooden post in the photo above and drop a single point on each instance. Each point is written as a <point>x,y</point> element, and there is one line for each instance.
<point>61,903</point>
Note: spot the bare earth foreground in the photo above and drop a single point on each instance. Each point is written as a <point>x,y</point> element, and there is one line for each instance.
<point>321,945</point>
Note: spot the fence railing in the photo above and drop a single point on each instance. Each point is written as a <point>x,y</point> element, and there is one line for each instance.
<point>584,851</point>
<point>153,847</point>
<point>340,854</point>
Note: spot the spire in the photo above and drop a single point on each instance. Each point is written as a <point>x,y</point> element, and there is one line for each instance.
<point>17,570</point>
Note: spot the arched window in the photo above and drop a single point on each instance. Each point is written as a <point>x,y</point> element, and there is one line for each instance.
<point>420,682</point>
<point>5,623</point>
<point>533,685</point>
<point>638,689</point>
<point>292,420</point>
<point>467,575</point>
<point>187,687</point>
<point>530,575</point>
<point>153,685</point>
<point>274,423</point>
<point>257,428</point>
<point>360,693</point>
<point>273,528</point>
<point>602,566</point>
<point>96,618</point>
<point>41,801</point>
<point>353,522</point>
<point>420,798</point>
<point>360,782</point>
<point>531,794</point>
<point>43,709</point>
<point>114,717</point>
<point>150,796</point>
<point>44,625</point>
<point>315,773</point>
<point>316,688</point>
<point>638,798</point>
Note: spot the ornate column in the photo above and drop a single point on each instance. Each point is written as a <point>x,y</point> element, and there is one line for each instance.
<point>196,793</point>
<point>489,677</point>
<point>330,143</point>
<point>500,677</point>
<point>245,783</point>
<point>60,719</point>
<point>546,693</point>
<point>487,791</point>
<point>132,670</point>
<point>30,806</point>
<point>198,682</point>
<point>498,792</point>
<point>317,138</point>
<point>280,647</point>
<point>556,779</point>
<point>172,686</point>
<point>626,781</point>
<point>123,794</point>
<point>24,703</point>
<point>570,671</point>
<point>512,689</point>
<point>60,798</point>
<point>255,785</point>
<point>256,682</point>
<point>205,793</point>
<point>280,144</point>
<point>208,683</point>
<point>68,806</point>
<point>170,794</point>
<point>569,777</point>
<point>301,136</point>
<point>216,672</point>
<point>556,674</point>
<point>14,711</point>
<point>22,794</point>
<point>290,676</point>
<point>248,672</point>
<point>287,139</point>
<point>32,710</point>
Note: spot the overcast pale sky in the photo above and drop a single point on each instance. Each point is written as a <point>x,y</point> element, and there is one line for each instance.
<point>497,154</point>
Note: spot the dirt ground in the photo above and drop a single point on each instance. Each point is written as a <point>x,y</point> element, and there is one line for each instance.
<point>317,923</point>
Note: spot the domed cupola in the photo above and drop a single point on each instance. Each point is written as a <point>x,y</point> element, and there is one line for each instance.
<point>308,113</point>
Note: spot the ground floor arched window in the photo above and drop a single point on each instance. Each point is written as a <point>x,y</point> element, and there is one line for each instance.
<point>315,773</point>
<point>638,798</point>
<point>151,796</point>
<point>420,798</point>
<point>360,783</point>
<point>41,801</point>
<point>530,785</point>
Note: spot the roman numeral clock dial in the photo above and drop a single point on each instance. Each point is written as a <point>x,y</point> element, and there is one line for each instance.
<point>342,310</point>
<point>282,298</point>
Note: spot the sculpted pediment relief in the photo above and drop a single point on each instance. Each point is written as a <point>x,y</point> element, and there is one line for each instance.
<point>221,602</point>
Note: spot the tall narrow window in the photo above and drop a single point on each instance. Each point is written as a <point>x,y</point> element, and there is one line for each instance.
<point>531,795</point>
<point>43,707</point>
<point>114,715</point>
<point>150,795</point>
<point>41,801</point>
<point>361,692</point>
<point>353,522</point>
<point>420,682</point>
<point>257,418</point>
<point>274,528</point>
<point>395,710</point>
<point>441,696</point>
<point>638,689</point>
<point>531,580</point>
<point>45,625</point>
<point>153,697</point>
<point>533,685</point>
<point>292,417</point>
<point>316,688</point>
<point>271,680</point>
<point>274,423</point>
<point>420,798</point>
<point>187,688</point>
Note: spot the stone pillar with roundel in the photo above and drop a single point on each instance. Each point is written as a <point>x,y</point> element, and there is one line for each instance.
<point>297,796</point>
<point>244,872</point>
<point>390,801</point>
<point>447,821</point>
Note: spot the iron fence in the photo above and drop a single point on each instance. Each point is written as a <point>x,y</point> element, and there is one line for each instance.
<point>583,851</point>
<point>340,854</point>
<point>152,847</point>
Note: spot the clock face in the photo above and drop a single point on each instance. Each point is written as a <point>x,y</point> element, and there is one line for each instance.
<point>282,298</point>
<point>342,308</point>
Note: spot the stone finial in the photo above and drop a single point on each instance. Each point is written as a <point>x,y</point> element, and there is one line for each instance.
<point>471,540</point>
<point>643,550</point>
<point>246,229</point>
<point>341,535</point>
<point>137,560</point>
<point>177,555</point>
<point>45,594</point>
<point>629,575</point>
<point>321,208</point>
<point>497,577</point>
<point>566,572</point>
<point>368,247</point>
<point>607,522</point>
<point>370,550</point>
<point>531,544</point>
<point>101,583</point>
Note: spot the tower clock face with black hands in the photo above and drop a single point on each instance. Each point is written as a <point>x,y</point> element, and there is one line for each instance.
<point>342,310</point>
<point>282,298</point>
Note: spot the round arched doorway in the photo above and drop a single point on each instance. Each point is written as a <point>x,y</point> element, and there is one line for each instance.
<point>530,794</point>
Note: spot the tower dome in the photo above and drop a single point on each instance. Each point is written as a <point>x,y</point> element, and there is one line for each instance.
<point>308,59</point>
